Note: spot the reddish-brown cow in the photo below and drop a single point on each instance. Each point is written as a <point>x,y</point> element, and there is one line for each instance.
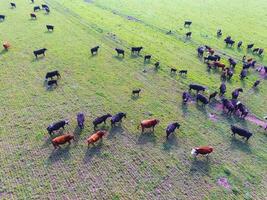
<point>62,140</point>
<point>203,150</point>
<point>149,123</point>
<point>95,137</point>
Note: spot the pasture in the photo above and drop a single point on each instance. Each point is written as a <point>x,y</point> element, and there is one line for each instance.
<point>128,164</point>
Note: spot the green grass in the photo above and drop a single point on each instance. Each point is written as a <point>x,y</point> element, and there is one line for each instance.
<point>127,165</point>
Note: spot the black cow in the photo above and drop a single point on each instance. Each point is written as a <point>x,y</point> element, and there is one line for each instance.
<point>219,33</point>
<point>235,93</point>
<point>229,73</point>
<point>256,83</point>
<point>230,42</point>
<point>200,51</point>
<point>52,74</point>
<point>255,50</point>
<point>94,50</point>
<point>171,128</point>
<point>213,95</point>
<point>243,74</point>
<point>136,92</point>
<point>13,5</point>
<point>2,17</point>
<point>222,89</point>
<point>240,131</point>
<point>101,119</point>
<point>239,44</point>
<point>117,118</point>
<point>250,46</point>
<point>261,51</point>
<point>50,83</point>
<point>187,23</point>
<point>212,58</point>
<point>202,99</point>
<point>136,50</point>
<point>39,52</point>
<point>186,97</point>
<point>44,6</point>
<point>197,87</point>
<point>56,126</point>
<point>243,110</point>
<point>183,72</point>
<point>232,62</point>
<point>156,65</point>
<point>120,52</point>
<point>47,10</point>
<point>173,70</point>
<point>147,57</point>
<point>228,105</point>
<point>50,27</point>
<point>36,8</point>
<point>33,16</point>
<point>188,34</point>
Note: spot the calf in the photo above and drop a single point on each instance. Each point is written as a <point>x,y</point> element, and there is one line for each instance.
<point>136,92</point>
<point>235,93</point>
<point>156,65</point>
<point>50,83</point>
<point>94,50</point>
<point>203,150</point>
<point>250,46</point>
<point>229,73</point>
<point>147,57</point>
<point>239,44</point>
<point>202,99</point>
<point>136,50</point>
<point>2,17</point>
<point>185,97</point>
<point>101,119</point>
<point>243,74</point>
<point>219,33</point>
<point>40,52</point>
<point>47,10</point>
<point>197,87</point>
<point>228,105</point>
<point>80,120</point>
<point>200,51</point>
<point>33,16</point>
<point>62,140</point>
<point>181,72</point>
<point>240,131</point>
<point>187,23</point>
<point>149,123</point>
<point>171,128</point>
<point>188,34</point>
<point>56,126</point>
<point>256,83</point>
<point>232,62</point>
<point>13,5</point>
<point>213,95</point>
<point>120,52</point>
<point>36,8</point>
<point>173,70</point>
<point>50,27</point>
<point>222,89</point>
<point>117,118</point>
<point>6,45</point>
<point>95,137</point>
<point>52,74</point>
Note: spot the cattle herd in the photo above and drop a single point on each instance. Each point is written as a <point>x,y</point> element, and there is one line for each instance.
<point>205,53</point>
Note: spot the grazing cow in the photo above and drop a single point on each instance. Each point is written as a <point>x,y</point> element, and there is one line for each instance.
<point>47,10</point>
<point>181,72</point>
<point>33,16</point>
<point>246,65</point>
<point>219,65</point>
<point>44,6</point>
<point>136,50</point>
<point>40,52</point>
<point>171,128</point>
<point>156,65</point>
<point>186,97</point>
<point>229,72</point>
<point>203,150</point>
<point>6,45</point>
<point>212,58</point>
<point>52,74</point>
<point>13,5</point>
<point>62,140</point>
<point>187,23</point>
<point>149,123</point>
<point>224,75</point>
<point>117,118</point>
<point>242,108</point>
<point>222,89</point>
<point>204,100</point>
<point>250,46</point>
<point>56,126</point>
<point>219,33</point>
<point>50,83</point>
<point>211,51</point>
<point>243,74</point>
<point>232,62</point>
<point>173,70</point>
<point>256,83</point>
<point>200,51</point>
<point>213,95</point>
<point>255,50</point>
<point>147,57</point>
<point>136,92</point>
<point>240,131</point>
<point>101,119</point>
<point>36,8</point>
<point>2,17</point>
<point>228,105</point>
<point>50,27</point>
<point>80,120</point>
<point>120,52</point>
<point>239,44</point>
<point>230,42</point>
<point>188,34</point>
<point>95,137</point>
<point>235,93</point>
<point>197,87</point>
<point>260,52</point>
<point>94,50</point>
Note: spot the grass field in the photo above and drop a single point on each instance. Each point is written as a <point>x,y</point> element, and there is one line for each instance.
<point>127,164</point>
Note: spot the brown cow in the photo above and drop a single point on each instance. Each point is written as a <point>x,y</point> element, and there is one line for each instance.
<point>95,137</point>
<point>149,123</point>
<point>62,140</point>
<point>6,45</point>
<point>219,65</point>
<point>203,150</point>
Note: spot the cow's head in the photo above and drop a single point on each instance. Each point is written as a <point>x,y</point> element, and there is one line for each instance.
<point>194,152</point>
<point>67,121</point>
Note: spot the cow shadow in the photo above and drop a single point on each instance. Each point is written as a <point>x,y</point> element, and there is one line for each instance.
<point>184,108</point>
<point>170,142</point>
<point>239,144</point>
<point>146,137</point>
<point>200,166</point>
<point>59,154</point>
<point>119,58</point>
<point>4,51</point>
<point>93,150</point>
<point>135,97</point>
<point>114,131</point>
<point>49,32</point>
<point>77,134</point>
<point>37,59</point>
<point>173,74</point>
<point>135,56</point>
<point>47,142</point>
<point>202,108</point>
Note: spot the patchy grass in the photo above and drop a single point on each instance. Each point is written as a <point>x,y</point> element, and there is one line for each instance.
<point>127,164</point>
